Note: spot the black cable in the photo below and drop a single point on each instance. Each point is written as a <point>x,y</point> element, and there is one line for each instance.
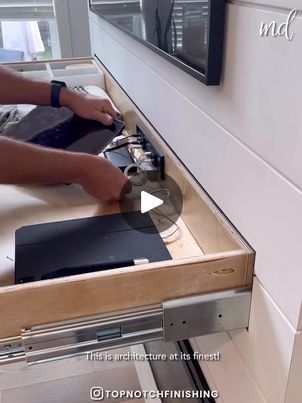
<point>158,29</point>
<point>121,146</point>
<point>168,26</point>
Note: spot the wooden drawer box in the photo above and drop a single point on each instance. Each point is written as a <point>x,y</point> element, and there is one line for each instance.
<point>209,255</point>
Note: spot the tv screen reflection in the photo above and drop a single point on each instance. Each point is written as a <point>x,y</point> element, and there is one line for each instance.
<point>178,28</point>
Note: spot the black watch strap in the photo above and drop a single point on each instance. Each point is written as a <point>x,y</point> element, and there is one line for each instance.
<point>55,93</point>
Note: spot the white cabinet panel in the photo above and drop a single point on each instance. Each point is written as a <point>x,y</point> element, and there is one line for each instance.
<point>229,376</point>
<point>18,375</point>
<point>287,4</point>
<point>74,389</point>
<point>264,206</point>
<point>300,318</point>
<point>294,386</point>
<point>258,101</point>
<point>268,345</point>
<point>255,363</point>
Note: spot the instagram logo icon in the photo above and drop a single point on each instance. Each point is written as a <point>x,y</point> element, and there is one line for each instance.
<point>97,393</point>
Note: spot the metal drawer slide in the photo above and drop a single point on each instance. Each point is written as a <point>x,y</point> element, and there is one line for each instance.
<point>171,321</point>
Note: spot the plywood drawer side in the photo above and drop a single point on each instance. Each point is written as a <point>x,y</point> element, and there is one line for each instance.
<point>209,255</point>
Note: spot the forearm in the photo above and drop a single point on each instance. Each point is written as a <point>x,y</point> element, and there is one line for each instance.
<point>22,163</point>
<point>16,89</point>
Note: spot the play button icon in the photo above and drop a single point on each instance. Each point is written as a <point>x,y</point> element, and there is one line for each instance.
<point>152,195</point>
<point>149,202</point>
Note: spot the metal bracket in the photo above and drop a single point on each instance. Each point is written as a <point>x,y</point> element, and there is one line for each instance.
<point>11,350</point>
<point>171,321</point>
<point>155,161</point>
<point>62,340</point>
<point>205,314</point>
<point>123,142</point>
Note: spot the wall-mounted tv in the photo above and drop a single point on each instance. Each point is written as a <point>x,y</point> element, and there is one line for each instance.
<point>188,33</point>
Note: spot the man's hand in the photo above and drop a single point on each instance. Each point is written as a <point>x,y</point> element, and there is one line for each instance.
<point>17,89</point>
<point>101,179</point>
<point>88,106</point>
<point>23,163</point>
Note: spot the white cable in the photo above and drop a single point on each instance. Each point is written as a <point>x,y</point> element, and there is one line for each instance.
<point>167,191</point>
<point>157,211</point>
<point>145,156</point>
<point>131,166</point>
<point>172,233</point>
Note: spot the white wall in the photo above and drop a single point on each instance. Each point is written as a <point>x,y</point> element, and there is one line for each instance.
<point>243,142</point>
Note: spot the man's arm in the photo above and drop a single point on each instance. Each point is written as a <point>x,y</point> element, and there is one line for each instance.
<point>16,89</point>
<point>22,163</point>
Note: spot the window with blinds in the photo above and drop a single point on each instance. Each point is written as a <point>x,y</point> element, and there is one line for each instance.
<point>26,9</point>
<point>186,12</point>
<point>117,7</point>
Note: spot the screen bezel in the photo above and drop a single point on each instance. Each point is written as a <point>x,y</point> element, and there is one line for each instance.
<point>211,75</point>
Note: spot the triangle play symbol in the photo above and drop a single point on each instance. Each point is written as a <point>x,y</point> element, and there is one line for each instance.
<point>149,202</point>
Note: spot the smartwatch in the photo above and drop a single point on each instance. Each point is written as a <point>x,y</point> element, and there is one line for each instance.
<point>55,93</point>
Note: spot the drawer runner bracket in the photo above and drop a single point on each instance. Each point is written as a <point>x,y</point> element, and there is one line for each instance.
<point>171,321</point>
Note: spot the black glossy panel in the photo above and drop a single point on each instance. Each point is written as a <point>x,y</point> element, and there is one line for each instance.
<point>189,33</point>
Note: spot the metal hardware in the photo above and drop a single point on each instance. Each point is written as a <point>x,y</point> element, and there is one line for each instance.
<point>171,321</point>
<point>46,343</point>
<point>218,312</point>
<point>122,142</point>
<point>141,140</point>
<point>11,350</point>
<point>156,157</point>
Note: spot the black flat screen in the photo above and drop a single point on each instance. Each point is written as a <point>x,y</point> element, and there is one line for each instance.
<point>190,33</point>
